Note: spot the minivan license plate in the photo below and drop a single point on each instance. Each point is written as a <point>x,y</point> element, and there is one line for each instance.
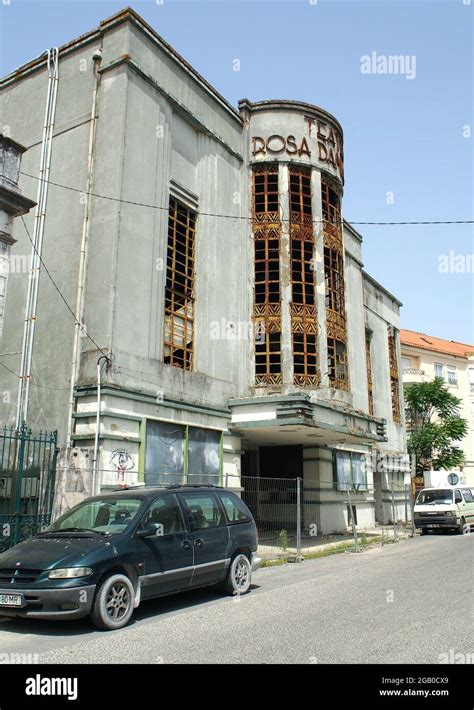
<point>10,600</point>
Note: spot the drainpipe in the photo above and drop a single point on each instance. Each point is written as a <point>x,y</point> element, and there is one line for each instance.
<point>79,310</point>
<point>34,274</point>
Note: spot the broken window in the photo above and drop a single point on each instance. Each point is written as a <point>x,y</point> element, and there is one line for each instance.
<point>368,359</point>
<point>331,204</point>
<point>265,185</point>
<point>267,305</point>
<point>334,278</point>
<point>268,358</point>
<point>179,289</point>
<point>394,376</point>
<point>334,286</point>
<point>303,305</point>
<point>337,363</point>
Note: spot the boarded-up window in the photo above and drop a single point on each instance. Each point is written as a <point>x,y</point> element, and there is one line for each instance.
<point>350,470</point>
<point>177,453</point>
<point>165,444</point>
<point>204,456</point>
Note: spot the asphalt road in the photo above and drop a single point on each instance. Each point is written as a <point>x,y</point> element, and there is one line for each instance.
<point>403,603</point>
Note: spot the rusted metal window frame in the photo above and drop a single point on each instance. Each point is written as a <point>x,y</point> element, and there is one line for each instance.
<point>180,286</point>
<point>368,360</point>
<point>303,305</point>
<point>337,359</point>
<point>266,227</point>
<point>394,373</point>
<point>334,280</point>
<point>336,324</point>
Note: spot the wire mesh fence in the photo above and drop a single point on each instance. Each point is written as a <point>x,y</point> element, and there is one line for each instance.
<point>294,516</point>
<point>273,503</point>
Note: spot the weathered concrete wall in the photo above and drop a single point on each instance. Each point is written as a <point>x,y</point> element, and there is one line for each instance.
<point>380,311</point>
<point>22,106</point>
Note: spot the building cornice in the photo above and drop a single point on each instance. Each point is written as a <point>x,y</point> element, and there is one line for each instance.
<point>14,203</point>
<point>381,288</point>
<point>287,105</point>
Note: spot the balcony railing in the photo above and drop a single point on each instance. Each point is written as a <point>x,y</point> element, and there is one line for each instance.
<point>412,371</point>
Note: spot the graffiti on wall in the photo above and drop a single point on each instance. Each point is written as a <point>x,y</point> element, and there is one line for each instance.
<point>121,461</point>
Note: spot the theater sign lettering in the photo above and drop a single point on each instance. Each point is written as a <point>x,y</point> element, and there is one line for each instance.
<point>318,139</point>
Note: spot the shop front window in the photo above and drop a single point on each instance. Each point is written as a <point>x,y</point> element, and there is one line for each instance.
<point>177,453</point>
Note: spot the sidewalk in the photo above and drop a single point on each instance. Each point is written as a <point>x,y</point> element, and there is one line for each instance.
<point>320,545</point>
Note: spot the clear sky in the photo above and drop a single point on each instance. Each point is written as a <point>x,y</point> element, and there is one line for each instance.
<point>405,136</point>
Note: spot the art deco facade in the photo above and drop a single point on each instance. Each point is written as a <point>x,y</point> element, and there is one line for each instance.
<point>242,335</point>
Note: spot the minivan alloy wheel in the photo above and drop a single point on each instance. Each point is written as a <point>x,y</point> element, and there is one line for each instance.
<point>113,603</point>
<point>118,601</point>
<point>239,575</point>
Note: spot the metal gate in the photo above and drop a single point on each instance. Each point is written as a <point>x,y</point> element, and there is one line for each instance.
<point>27,478</point>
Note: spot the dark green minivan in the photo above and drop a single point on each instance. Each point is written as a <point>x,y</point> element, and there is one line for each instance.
<point>112,551</point>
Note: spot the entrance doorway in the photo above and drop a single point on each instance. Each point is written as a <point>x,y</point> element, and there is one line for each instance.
<point>281,461</point>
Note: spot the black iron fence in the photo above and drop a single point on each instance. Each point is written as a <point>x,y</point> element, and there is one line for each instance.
<point>27,483</point>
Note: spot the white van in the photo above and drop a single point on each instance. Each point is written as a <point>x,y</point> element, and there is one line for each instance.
<point>447,508</point>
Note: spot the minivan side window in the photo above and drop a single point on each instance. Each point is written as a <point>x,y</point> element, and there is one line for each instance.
<point>234,508</point>
<point>467,496</point>
<point>204,510</point>
<point>165,511</point>
<point>457,497</point>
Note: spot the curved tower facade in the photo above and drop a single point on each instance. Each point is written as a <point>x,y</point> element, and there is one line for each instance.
<point>296,163</point>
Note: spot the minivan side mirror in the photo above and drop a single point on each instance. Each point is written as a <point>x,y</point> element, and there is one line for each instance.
<point>150,530</point>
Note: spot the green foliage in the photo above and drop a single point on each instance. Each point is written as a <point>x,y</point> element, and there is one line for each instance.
<point>283,540</point>
<point>434,426</point>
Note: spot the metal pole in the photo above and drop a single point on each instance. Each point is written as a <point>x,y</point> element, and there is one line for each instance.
<point>22,433</point>
<point>412,507</point>
<point>406,506</point>
<point>351,513</point>
<point>395,532</point>
<point>299,556</point>
<point>97,424</point>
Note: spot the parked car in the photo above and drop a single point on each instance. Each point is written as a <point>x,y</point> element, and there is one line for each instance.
<point>110,552</point>
<point>448,508</point>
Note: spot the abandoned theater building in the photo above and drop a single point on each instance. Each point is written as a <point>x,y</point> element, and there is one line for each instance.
<point>225,328</point>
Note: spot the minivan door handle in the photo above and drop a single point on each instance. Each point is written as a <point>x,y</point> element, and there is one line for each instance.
<point>199,542</point>
<point>186,545</point>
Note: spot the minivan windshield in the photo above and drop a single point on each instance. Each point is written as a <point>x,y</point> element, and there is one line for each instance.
<point>106,515</point>
<point>437,497</point>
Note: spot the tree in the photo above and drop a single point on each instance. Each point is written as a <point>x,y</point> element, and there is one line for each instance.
<point>434,426</point>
